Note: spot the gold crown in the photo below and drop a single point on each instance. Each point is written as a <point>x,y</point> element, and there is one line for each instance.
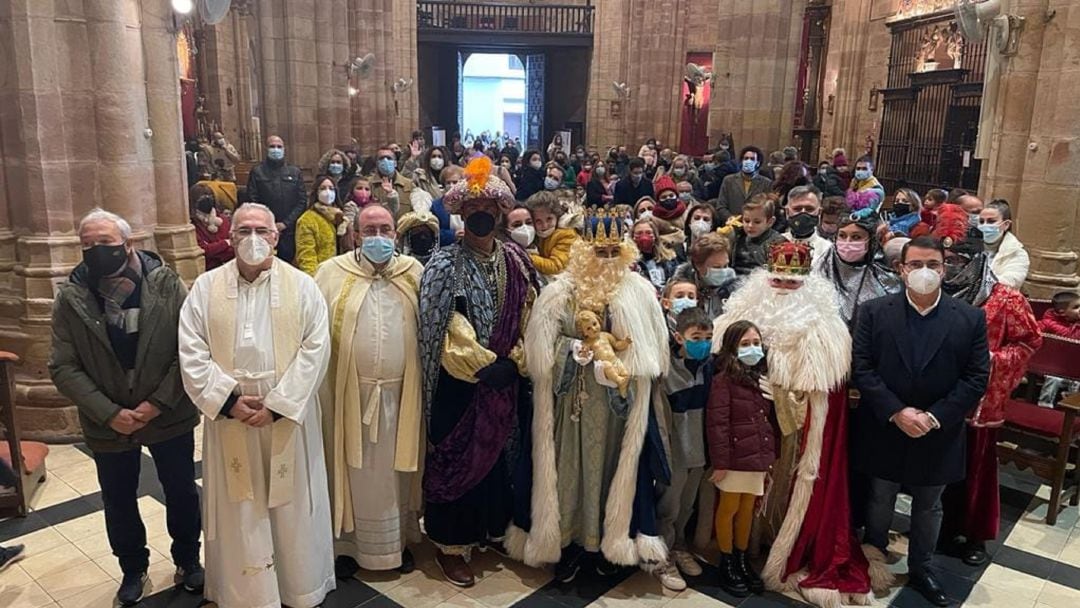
<point>603,227</point>
<point>790,258</point>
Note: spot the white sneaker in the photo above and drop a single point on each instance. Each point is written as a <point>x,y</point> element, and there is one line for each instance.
<point>670,578</point>
<point>686,563</point>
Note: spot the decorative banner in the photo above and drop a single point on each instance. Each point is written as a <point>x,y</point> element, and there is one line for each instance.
<point>694,127</point>
<point>438,136</point>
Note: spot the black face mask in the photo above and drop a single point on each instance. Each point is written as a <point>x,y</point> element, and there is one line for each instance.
<point>901,209</point>
<point>421,242</point>
<point>803,225</point>
<point>480,223</point>
<point>205,204</point>
<point>104,260</point>
<point>669,203</point>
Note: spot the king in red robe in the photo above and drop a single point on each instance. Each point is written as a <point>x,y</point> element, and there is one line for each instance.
<point>807,514</point>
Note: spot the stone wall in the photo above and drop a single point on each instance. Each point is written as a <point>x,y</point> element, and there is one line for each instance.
<point>89,117</point>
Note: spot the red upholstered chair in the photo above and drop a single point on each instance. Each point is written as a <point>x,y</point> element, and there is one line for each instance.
<point>1039,307</point>
<point>1041,438</point>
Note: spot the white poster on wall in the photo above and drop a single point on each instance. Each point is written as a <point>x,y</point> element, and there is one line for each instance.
<point>438,136</point>
<point>565,142</point>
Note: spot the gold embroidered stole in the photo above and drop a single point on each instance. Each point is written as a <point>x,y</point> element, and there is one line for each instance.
<point>287,336</point>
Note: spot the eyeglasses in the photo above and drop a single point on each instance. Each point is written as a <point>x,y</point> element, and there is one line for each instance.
<point>919,265</point>
<point>246,232</point>
<point>387,231</point>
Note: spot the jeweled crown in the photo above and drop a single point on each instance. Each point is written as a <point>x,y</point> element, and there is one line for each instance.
<point>603,227</point>
<point>789,257</point>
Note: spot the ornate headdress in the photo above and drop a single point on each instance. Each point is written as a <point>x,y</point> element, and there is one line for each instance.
<point>479,183</point>
<point>603,228</point>
<point>952,227</point>
<point>790,258</point>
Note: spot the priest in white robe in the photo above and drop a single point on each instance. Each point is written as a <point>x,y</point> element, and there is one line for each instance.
<point>254,346</point>
<point>371,399</point>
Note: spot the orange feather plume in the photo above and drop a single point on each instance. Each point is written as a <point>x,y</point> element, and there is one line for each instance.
<point>477,172</point>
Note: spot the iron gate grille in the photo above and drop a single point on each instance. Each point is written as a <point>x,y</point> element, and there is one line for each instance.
<point>930,116</point>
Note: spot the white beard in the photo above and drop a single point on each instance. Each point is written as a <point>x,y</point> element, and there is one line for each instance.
<point>809,346</point>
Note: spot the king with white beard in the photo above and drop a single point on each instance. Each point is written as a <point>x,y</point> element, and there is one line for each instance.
<point>254,346</point>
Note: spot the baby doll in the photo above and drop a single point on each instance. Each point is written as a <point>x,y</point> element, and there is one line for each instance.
<point>603,346</point>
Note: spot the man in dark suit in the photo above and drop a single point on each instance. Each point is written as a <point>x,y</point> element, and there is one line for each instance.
<point>635,185</point>
<point>921,363</point>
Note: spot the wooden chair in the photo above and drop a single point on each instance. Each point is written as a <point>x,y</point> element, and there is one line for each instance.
<point>11,503</point>
<point>1041,438</point>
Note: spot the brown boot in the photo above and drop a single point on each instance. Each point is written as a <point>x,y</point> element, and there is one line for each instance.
<point>455,569</point>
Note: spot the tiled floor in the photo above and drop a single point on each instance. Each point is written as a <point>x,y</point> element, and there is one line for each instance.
<point>69,564</point>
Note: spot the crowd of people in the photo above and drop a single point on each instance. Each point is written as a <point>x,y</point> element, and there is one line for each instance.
<point>585,360</point>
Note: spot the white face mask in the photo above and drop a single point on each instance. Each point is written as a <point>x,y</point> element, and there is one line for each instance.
<point>327,197</point>
<point>700,227</point>
<point>535,164</point>
<point>253,250</point>
<point>523,235</point>
<point>923,281</point>
<point>546,233</point>
<point>437,163</point>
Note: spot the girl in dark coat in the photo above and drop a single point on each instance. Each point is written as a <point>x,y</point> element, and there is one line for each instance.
<point>742,447</point>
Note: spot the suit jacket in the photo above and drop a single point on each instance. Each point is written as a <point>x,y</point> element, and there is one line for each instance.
<point>732,195</point>
<point>949,385</point>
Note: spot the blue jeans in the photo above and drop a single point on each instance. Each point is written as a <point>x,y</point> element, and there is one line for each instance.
<point>118,474</point>
<point>925,521</point>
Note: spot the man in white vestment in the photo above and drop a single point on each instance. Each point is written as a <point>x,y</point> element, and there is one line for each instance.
<point>254,346</point>
<point>371,398</point>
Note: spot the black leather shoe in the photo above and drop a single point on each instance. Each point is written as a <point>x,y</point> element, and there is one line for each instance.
<point>753,581</point>
<point>131,589</point>
<point>974,554</point>
<point>731,579</point>
<point>569,565</point>
<point>408,564</point>
<point>604,567</point>
<point>345,567</point>
<point>931,589</point>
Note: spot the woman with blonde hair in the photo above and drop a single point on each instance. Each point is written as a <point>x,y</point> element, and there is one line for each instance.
<point>656,260</point>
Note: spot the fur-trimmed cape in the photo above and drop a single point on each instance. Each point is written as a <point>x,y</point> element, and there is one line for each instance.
<point>809,351</point>
<point>636,313</point>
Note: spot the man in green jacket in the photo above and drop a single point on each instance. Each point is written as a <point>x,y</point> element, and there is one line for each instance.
<point>114,354</point>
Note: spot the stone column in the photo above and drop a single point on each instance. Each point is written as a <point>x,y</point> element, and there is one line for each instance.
<point>46,122</point>
<point>1035,151</point>
<point>755,60</point>
<point>73,117</point>
<point>173,233</point>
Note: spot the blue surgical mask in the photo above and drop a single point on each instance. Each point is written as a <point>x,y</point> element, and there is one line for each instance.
<point>550,183</point>
<point>387,166</point>
<point>751,355</point>
<point>716,277</point>
<point>698,349</point>
<point>863,174</point>
<point>377,249</point>
<point>275,153</point>
<point>680,304</point>
<point>749,166</point>
<point>336,168</point>
<point>991,232</point>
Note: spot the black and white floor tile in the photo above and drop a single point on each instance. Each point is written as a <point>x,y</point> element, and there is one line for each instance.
<point>69,565</point>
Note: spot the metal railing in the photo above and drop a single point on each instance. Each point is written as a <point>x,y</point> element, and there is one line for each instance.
<point>531,19</point>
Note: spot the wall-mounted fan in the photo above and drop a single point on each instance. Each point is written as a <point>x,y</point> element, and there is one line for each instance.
<point>621,89</point>
<point>976,19</point>
<point>402,85</point>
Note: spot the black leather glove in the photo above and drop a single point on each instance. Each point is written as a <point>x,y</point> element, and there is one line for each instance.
<point>499,374</point>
